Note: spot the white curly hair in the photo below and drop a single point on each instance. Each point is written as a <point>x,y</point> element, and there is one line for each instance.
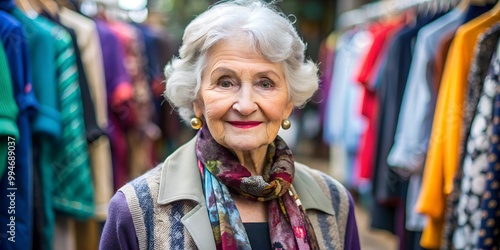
<point>267,29</point>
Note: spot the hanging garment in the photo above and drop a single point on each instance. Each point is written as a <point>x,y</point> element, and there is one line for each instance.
<point>92,130</point>
<point>474,168</point>
<point>143,132</point>
<point>71,167</point>
<point>389,189</point>
<point>443,46</point>
<point>65,230</point>
<point>443,155</point>
<point>99,150</point>
<point>417,108</point>
<point>326,58</point>
<point>476,74</point>
<point>65,233</point>
<point>16,49</point>
<point>9,111</point>
<point>391,85</point>
<point>470,150</point>
<point>407,155</point>
<point>160,48</point>
<point>91,55</point>
<point>46,127</point>
<point>344,125</point>
<point>94,133</point>
<point>370,101</point>
<point>47,121</point>
<point>490,220</point>
<point>119,94</point>
<point>382,34</point>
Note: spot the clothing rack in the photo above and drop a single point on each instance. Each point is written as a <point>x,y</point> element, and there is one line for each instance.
<point>113,9</point>
<point>377,10</point>
<point>439,53</point>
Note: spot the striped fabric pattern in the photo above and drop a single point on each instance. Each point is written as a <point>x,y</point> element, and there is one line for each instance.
<point>142,195</point>
<point>73,187</point>
<point>332,233</point>
<point>166,218</point>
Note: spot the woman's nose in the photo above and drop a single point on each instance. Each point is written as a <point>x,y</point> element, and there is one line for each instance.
<point>245,102</point>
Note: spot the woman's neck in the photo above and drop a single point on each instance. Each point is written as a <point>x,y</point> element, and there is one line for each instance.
<point>253,160</point>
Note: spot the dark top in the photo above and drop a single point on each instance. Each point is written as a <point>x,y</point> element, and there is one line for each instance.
<point>258,235</point>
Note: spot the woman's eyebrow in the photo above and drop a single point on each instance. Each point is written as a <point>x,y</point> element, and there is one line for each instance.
<point>227,71</point>
<point>269,72</point>
<point>222,71</point>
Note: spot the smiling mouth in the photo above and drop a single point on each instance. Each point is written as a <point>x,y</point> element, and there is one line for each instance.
<point>245,125</point>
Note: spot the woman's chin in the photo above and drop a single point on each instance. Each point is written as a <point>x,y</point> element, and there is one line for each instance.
<point>246,144</point>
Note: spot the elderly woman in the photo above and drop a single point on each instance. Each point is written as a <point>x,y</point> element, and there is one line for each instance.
<point>235,185</point>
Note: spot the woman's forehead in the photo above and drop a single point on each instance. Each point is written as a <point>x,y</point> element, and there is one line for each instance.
<point>236,50</point>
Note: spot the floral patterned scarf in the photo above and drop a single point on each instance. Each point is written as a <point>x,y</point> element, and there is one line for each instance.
<point>223,175</point>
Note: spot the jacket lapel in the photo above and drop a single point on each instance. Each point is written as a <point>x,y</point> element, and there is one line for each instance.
<point>310,193</point>
<point>181,180</point>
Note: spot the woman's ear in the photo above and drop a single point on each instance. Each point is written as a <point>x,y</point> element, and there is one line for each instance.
<point>198,108</point>
<point>288,109</point>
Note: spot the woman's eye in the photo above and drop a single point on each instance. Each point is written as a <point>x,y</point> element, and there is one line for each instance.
<point>225,83</point>
<point>267,84</point>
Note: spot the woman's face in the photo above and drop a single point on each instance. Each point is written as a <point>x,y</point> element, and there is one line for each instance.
<point>243,97</point>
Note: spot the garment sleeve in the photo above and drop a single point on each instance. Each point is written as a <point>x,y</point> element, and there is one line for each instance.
<point>119,230</point>
<point>408,149</point>
<point>351,240</point>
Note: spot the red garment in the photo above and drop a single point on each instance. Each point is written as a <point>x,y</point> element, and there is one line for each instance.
<point>382,34</point>
<point>365,68</point>
<point>366,155</point>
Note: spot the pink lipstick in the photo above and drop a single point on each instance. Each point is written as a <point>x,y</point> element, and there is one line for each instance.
<point>245,124</point>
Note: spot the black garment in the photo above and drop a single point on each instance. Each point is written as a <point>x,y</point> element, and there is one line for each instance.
<point>476,10</point>
<point>38,207</point>
<point>92,129</point>
<point>258,235</point>
<point>390,87</point>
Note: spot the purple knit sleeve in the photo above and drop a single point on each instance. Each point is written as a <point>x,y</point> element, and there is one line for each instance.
<point>119,230</point>
<point>351,241</point>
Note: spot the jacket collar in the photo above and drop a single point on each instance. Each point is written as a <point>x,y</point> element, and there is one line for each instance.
<point>180,177</point>
<point>181,180</point>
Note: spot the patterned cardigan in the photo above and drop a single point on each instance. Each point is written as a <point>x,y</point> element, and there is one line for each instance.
<point>165,208</point>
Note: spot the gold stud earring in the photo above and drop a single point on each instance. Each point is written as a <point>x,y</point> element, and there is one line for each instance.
<point>196,123</point>
<point>286,124</point>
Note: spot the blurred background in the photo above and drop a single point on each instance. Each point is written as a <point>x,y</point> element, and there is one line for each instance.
<point>401,117</point>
